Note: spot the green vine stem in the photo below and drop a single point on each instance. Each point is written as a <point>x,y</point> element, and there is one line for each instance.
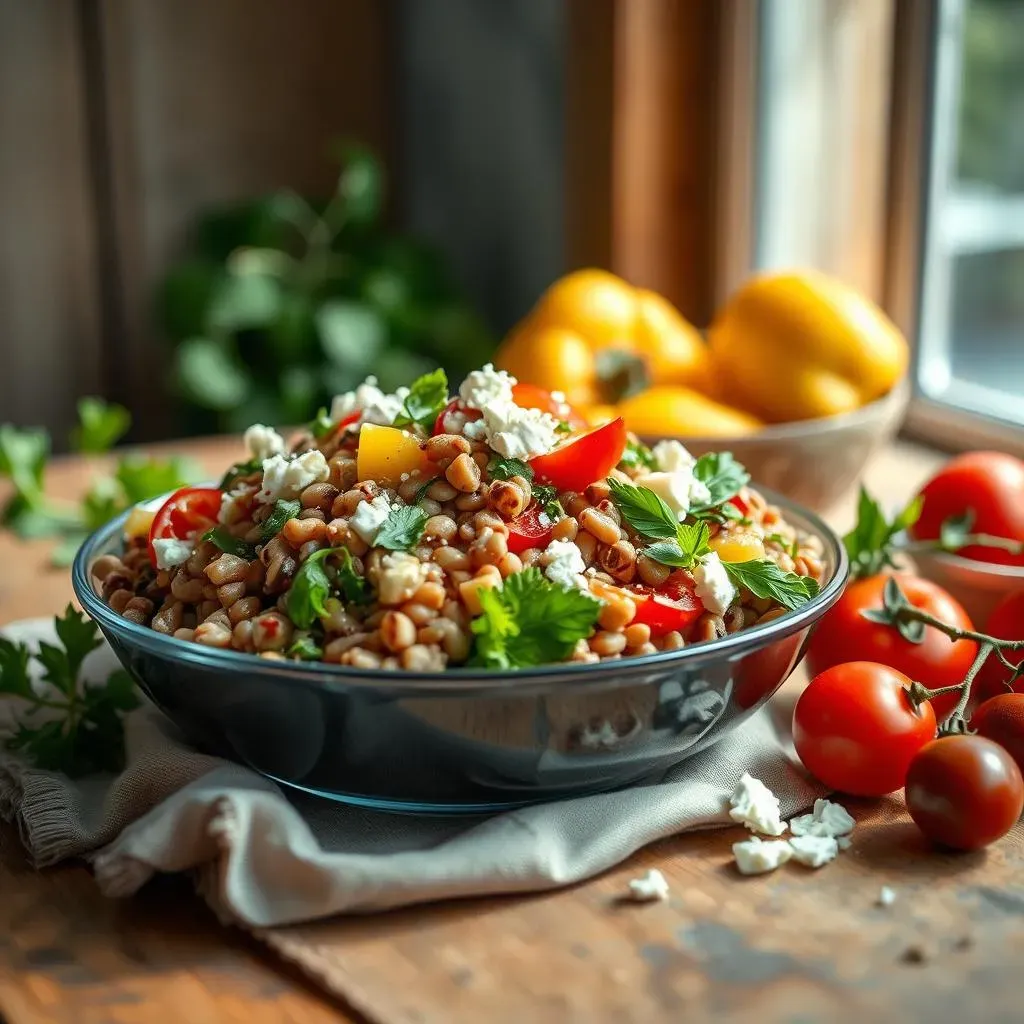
<point>984,540</point>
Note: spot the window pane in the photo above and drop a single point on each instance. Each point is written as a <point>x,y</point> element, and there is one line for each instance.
<point>971,345</point>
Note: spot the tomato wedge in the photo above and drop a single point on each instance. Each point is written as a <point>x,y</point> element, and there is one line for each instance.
<point>186,513</point>
<point>583,459</point>
<point>532,396</point>
<point>674,606</point>
<point>528,530</point>
<point>455,405</point>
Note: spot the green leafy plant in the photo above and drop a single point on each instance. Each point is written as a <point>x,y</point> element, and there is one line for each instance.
<point>65,725</point>
<point>31,513</point>
<point>286,301</point>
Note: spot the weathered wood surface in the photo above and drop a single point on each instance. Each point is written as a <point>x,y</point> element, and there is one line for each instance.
<point>793,946</point>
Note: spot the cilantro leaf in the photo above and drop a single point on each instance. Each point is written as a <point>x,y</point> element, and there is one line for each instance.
<point>306,597</point>
<point>637,455</point>
<point>223,538</point>
<point>100,425</point>
<point>283,511</point>
<point>530,621</point>
<point>644,510</point>
<point>722,475</point>
<point>356,588</point>
<point>421,491</point>
<point>504,469</point>
<point>305,648</point>
<point>763,578</point>
<point>402,528</point>
<point>427,396</point>
<point>239,470</point>
<point>321,425</point>
<point>689,544</point>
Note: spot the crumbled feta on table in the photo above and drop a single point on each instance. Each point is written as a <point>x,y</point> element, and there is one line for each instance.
<point>369,517</point>
<point>814,851</point>
<point>714,588</point>
<point>563,564</point>
<point>171,552</point>
<point>886,896</point>
<point>755,857</point>
<point>754,805</point>
<point>285,478</point>
<point>826,819</point>
<point>263,442</point>
<point>650,887</point>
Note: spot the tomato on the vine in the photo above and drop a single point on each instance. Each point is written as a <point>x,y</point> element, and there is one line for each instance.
<point>1007,623</point>
<point>185,514</point>
<point>1001,720</point>
<point>964,791</point>
<point>856,729</point>
<point>845,635</point>
<point>988,484</point>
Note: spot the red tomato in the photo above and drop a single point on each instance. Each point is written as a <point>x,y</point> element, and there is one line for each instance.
<point>845,635</point>
<point>964,791</point>
<point>991,485</point>
<point>531,396</point>
<point>1001,720</point>
<point>584,459</point>
<point>187,512</point>
<point>455,405</point>
<point>1007,623</point>
<point>674,606</point>
<point>527,531</point>
<point>856,730</point>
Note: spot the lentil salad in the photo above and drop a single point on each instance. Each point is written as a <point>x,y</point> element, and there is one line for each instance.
<point>417,530</point>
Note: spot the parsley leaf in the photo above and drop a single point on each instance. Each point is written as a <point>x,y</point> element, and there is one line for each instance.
<point>100,425</point>
<point>544,494</point>
<point>869,543</point>
<point>722,475</point>
<point>304,599</point>
<point>644,510</point>
<point>223,538</point>
<point>321,425</point>
<point>356,588</point>
<point>563,427</point>
<point>83,731</point>
<point>305,648</point>
<point>283,511</point>
<point>637,455</point>
<point>505,469</point>
<point>763,578</point>
<point>421,491</point>
<point>402,528</point>
<point>690,543</point>
<point>553,510</point>
<point>530,621</point>
<point>427,396</point>
<point>239,470</point>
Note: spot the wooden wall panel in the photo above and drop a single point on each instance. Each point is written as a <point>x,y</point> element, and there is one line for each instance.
<point>49,312</point>
<point>212,101</point>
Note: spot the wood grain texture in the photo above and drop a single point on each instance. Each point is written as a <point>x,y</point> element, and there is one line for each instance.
<point>48,271</point>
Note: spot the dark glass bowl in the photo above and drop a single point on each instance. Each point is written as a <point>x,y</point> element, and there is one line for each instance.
<point>462,740</point>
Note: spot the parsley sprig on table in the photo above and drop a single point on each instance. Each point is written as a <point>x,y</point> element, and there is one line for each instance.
<point>30,512</point>
<point>529,620</point>
<point>66,726</point>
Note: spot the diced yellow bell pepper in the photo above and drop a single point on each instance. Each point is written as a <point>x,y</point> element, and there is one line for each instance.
<point>738,547</point>
<point>138,523</point>
<point>385,453</point>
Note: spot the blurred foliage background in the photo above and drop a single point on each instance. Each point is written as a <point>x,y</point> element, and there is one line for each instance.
<point>284,301</point>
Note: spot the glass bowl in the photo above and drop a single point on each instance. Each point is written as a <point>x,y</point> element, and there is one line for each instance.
<point>463,740</point>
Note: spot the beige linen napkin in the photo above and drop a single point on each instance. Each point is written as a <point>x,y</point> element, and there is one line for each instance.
<point>266,858</point>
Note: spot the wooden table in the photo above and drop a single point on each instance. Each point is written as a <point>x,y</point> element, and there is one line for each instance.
<point>791,946</point>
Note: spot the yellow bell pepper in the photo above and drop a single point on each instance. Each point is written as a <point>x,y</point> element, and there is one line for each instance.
<point>565,342</point>
<point>794,346</point>
<point>677,411</point>
<point>385,453</point>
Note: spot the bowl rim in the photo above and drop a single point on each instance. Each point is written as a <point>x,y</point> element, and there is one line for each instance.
<point>333,676</point>
<point>896,397</point>
<point>1010,573</point>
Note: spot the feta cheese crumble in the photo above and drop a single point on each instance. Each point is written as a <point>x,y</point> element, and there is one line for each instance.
<point>373,405</point>
<point>671,456</point>
<point>487,386</point>
<point>563,564</point>
<point>234,505</point>
<point>679,489</point>
<point>754,805</point>
<point>604,736</point>
<point>886,896</point>
<point>714,588</point>
<point>648,888</point>
<point>171,552</point>
<point>285,478</point>
<point>814,851</point>
<point>400,576</point>
<point>827,819</point>
<point>754,857</point>
<point>369,517</point>
<point>263,442</point>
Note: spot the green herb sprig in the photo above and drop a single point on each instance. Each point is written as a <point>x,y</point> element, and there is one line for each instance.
<point>427,397</point>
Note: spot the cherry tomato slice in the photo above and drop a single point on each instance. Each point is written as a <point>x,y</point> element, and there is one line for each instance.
<point>674,606</point>
<point>187,512</point>
<point>455,405</point>
<point>528,531</point>
<point>531,396</point>
<point>584,459</point>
